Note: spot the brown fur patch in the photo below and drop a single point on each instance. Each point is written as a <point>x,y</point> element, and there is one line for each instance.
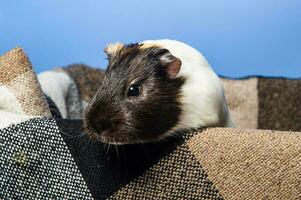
<point>87,79</point>
<point>156,104</point>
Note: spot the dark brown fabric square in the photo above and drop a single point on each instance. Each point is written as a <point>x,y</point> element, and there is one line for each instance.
<point>279,104</point>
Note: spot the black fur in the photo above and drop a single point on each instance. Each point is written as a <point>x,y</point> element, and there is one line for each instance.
<point>124,119</point>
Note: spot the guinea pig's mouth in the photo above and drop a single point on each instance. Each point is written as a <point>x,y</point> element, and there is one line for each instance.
<point>119,137</point>
<point>111,138</point>
<point>127,140</point>
<point>118,141</point>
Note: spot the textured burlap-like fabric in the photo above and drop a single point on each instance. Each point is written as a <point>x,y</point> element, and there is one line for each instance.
<point>264,103</point>
<point>224,163</point>
<point>8,63</point>
<point>250,164</point>
<point>164,170</point>
<point>177,176</point>
<point>242,99</point>
<point>21,97</point>
<point>18,77</point>
<point>279,104</point>
<point>35,162</point>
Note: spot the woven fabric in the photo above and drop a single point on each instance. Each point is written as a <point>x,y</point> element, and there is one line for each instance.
<point>213,163</point>
<point>21,96</point>
<point>164,170</point>
<point>264,103</point>
<point>251,164</point>
<point>242,99</point>
<point>107,171</point>
<point>177,176</point>
<point>8,63</point>
<point>279,104</point>
<point>36,164</point>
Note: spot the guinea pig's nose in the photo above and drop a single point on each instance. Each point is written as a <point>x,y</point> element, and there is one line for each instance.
<point>104,133</point>
<point>100,126</point>
<point>95,125</point>
<point>102,122</point>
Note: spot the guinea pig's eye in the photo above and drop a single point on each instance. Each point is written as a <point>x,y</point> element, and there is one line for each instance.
<point>134,90</point>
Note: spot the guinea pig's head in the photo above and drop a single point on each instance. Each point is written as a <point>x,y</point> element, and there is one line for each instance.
<point>138,100</point>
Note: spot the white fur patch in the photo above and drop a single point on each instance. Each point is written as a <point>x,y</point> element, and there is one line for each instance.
<point>203,101</point>
<point>166,58</point>
<point>55,84</point>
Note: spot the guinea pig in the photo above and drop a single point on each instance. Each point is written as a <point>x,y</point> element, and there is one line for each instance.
<point>152,90</point>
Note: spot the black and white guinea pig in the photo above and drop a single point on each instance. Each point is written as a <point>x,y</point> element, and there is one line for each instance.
<point>154,89</point>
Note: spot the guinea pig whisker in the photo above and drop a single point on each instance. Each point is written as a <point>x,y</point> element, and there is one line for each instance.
<point>71,136</point>
<point>87,143</point>
<point>117,153</point>
<point>105,146</point>
<point>108,148</point>
<point>86,140</point>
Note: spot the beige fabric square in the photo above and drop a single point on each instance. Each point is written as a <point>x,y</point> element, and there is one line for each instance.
<point>29,94</point>
<point>242,99</point>
<point>251,164</point>
<point>20,83</point>
<point>12,64</point>
<point>177,176</point>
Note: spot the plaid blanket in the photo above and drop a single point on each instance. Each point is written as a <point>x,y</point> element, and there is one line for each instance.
<point>45,155</point>
<point>264,103</point>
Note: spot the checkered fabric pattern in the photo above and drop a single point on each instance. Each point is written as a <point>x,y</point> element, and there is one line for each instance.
<point>264,103</point>
<point>44,153</point>
<point>35,163</point>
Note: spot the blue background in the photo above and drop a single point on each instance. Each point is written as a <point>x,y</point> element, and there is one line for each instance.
<point>237,37</point>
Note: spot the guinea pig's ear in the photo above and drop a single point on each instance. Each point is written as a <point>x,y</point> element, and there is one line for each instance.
<point>171,64</point>
<point>113,49</point>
